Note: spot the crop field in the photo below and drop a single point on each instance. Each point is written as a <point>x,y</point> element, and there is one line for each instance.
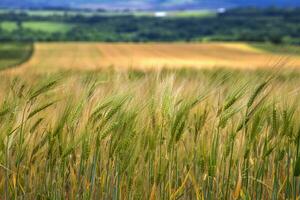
<point>165,122</point>
<point>169,134</point>
<point>91,56</point>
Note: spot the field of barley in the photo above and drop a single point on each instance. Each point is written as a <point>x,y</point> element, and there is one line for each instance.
<point>91,56</point>
<point>71,127</point>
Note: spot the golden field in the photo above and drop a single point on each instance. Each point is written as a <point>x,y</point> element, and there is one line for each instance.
<point>91,56</point>
<point>87,132</point>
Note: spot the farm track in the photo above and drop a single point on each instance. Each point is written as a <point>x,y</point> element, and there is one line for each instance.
<point>93,56</point>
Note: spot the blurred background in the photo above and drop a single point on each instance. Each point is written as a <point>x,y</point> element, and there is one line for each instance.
<point>150,20</point>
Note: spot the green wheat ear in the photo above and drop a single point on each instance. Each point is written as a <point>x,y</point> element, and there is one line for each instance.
<point>36,125</point>
<point>40,109</point>
<point>47,86</point>
<point>256,92</point>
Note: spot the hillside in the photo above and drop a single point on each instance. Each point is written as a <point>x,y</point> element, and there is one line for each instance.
<point>283,26</point>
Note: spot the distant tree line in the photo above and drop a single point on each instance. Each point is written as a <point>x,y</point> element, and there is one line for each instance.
<point>248,24</point>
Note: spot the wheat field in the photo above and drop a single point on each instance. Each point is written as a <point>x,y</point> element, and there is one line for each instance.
<point>150,121</point>
<point>167,134</point>
<point>92,56</point>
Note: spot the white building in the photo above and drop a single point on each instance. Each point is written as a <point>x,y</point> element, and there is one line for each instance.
<point>160,14</point>
<point>221,10</point>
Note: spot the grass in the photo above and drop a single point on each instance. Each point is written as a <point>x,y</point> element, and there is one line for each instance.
<point>13,54</point>
<point>170,134</point>
<point>9,26</point>
<point>278,49</point>
<point>48,27</point>
<point>196,13</point>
